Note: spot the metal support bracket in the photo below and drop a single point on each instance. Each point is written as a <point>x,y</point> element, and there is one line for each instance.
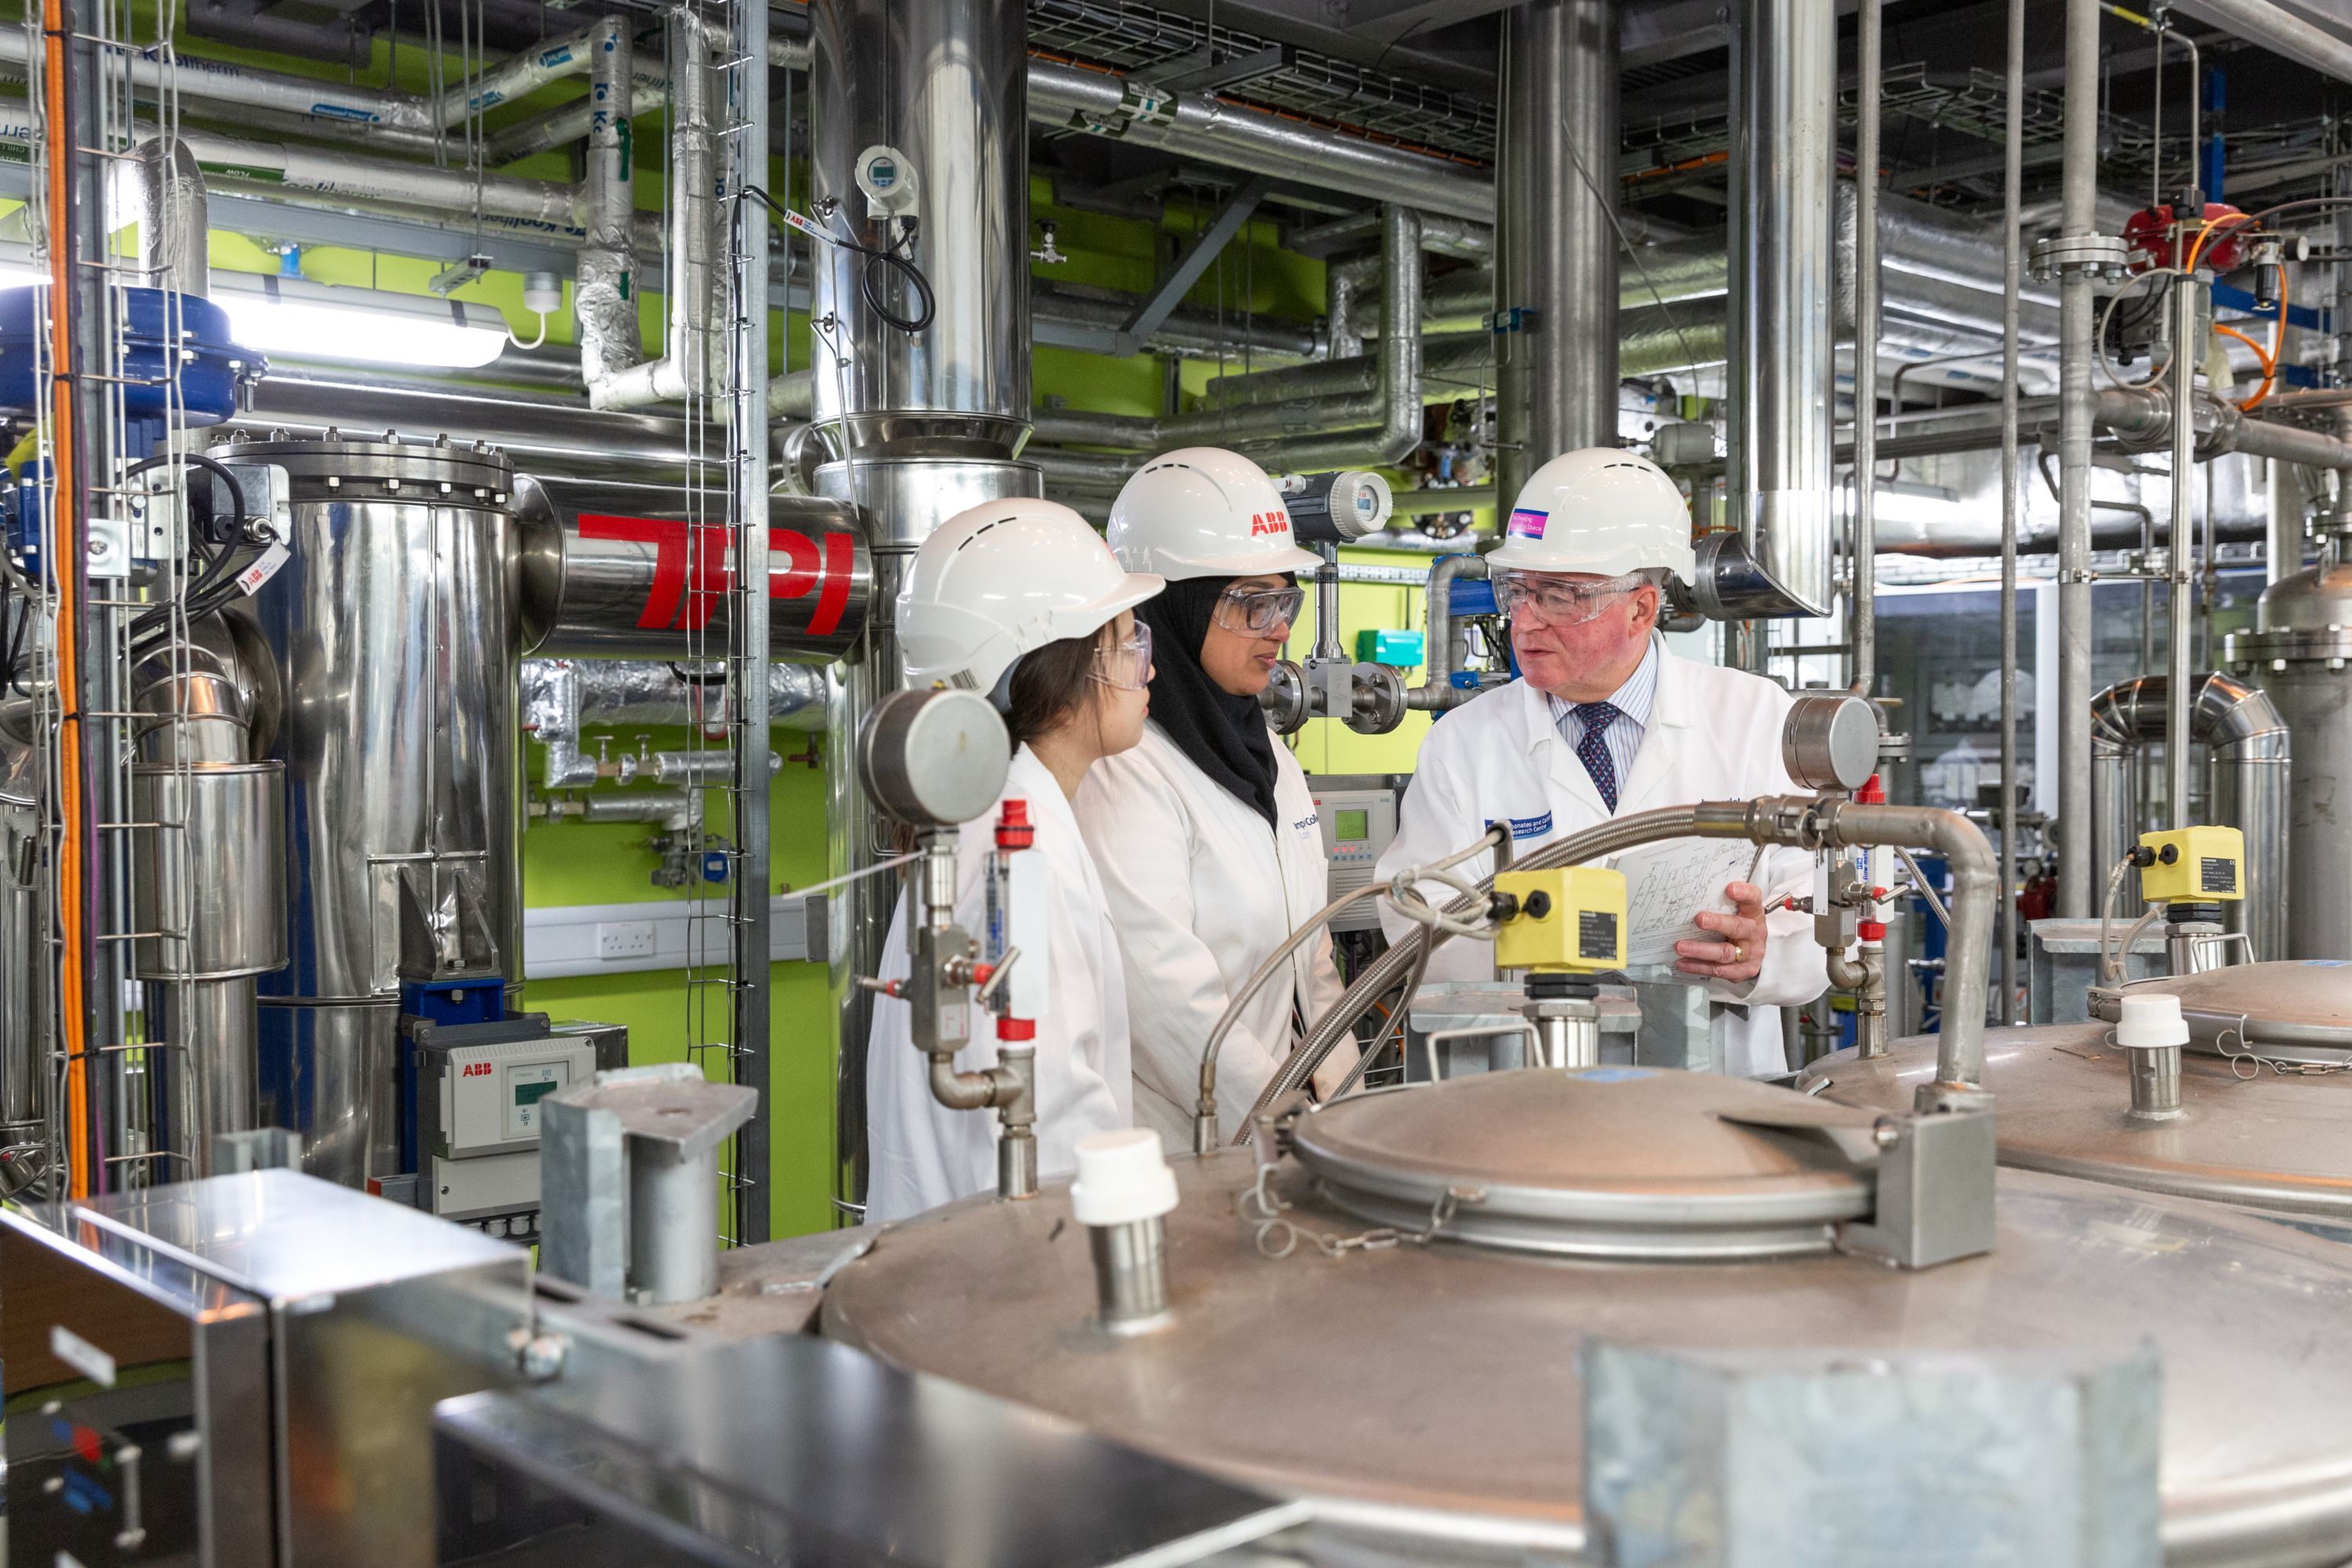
<point>1935,1190</point>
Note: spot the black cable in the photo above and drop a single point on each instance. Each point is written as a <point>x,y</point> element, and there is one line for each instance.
<point>717,678</point>
<point>870,282</point>
<point>203,592</point>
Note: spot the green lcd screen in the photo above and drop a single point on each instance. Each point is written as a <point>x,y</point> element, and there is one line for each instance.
<point>532,1093</point>
<point>1351,827</point>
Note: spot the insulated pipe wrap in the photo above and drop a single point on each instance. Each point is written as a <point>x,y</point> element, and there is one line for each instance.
<point>645,581</point>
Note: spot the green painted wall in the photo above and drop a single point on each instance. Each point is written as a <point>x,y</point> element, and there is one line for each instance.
<point>668,1012</point>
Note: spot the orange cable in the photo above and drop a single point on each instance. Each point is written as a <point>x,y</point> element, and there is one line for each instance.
<point>66,568</point>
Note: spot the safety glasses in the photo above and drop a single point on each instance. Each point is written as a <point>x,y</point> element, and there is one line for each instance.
<point>1126,664</point>
<point>1554,602</point>
<point>1256,613</point>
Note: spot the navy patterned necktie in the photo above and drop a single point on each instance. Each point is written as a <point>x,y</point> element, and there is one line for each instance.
<point>1596,718</point>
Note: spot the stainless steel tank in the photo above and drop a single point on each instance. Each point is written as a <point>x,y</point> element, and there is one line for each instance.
<point>2265,1093</point>
<point>395,631</point>
<point>2298,655</point>
<point>1429,1393</point>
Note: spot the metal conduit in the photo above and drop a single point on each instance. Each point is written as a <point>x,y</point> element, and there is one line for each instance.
<point>2251,749</point>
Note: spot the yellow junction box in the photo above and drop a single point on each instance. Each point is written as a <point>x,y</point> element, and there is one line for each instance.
<point>2194,865</point>
<point>1581,926</point>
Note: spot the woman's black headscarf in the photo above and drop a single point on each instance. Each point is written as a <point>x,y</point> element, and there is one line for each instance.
<point>1225,735</point>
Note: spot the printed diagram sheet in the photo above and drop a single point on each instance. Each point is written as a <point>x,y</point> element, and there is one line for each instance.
<point>1666,884</point>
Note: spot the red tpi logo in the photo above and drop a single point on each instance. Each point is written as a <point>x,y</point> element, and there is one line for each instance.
<point>1262,522</point>
<point>476,1070</point>
<point>797,565</point>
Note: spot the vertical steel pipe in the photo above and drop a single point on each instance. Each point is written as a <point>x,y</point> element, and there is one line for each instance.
<point>2178,554</point>
<point>1861,631</point>
<point>1783,160</point>
<point>1556,192</point>
<point>673,1221</point>
<point>2079,196</point>
<point>2012,283</point>
<point>746,346</point>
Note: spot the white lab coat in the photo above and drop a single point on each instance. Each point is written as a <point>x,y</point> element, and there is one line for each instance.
<point>1714,734</point>
<point>1201,893</point>
<point>923,1154</point>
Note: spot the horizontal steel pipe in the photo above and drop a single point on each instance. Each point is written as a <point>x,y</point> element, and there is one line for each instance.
<point>645,581</point>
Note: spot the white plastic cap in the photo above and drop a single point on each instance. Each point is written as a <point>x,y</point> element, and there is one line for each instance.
<point>2150,1019</point>
<point>1122,1178</point>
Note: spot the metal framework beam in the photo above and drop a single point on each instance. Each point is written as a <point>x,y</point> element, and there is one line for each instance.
<point>1162,301</point>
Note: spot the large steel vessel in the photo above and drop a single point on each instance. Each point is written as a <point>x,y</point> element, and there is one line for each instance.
<point>1427,1391</point>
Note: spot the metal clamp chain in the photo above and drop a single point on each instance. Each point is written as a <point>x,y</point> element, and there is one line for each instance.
<point>1271,1225</point>
<point>2256,1062</point>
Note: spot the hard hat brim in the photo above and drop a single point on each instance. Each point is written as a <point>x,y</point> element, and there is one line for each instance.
<point>1256,563</point>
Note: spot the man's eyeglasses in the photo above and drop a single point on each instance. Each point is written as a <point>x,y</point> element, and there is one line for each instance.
<point>1557,602</point>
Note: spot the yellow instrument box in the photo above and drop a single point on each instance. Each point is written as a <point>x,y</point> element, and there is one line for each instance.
<point>1570,918</point>
<point>2194,865</point>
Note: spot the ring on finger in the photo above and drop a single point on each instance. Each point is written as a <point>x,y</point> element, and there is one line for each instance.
<point>1739,953</point>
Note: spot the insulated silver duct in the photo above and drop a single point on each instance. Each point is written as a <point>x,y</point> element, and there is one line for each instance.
<point>941,84</point>
<point>618,373</point>
<point>922,421</point>
<point>1557,247</point>
<point>1783,162</point>
<point>2252,756</point>
<point>562,697</point>
<point>167,203</point>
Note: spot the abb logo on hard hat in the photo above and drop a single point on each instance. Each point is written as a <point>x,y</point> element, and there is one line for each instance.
<point>798,567</point>
<point>1264,522</point>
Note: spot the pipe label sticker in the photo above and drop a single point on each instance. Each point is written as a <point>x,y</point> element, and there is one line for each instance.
<point>265,566</point>
<point>693,570</point>
<point>1526,523</point>
<point>81,1355</point>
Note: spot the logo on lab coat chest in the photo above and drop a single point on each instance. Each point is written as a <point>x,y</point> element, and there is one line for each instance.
<point>1530,827</point>
<point>1264,522</point>
<point>1305,822</point>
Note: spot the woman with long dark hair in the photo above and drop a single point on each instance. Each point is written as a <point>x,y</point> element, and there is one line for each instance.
<point>1022,600</point>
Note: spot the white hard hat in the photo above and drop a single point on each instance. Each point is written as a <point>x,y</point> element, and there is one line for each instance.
<point>1202,511</point>
<point>1002,579</point>
<point>1599,510</point>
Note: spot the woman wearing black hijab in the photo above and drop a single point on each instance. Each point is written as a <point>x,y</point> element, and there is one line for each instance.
<point>1206,834</point>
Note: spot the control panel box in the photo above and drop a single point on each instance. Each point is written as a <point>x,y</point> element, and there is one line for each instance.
<point>1358,817</point>
<point>480,1094</point>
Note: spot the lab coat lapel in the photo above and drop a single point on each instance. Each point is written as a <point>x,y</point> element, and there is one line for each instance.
<point>1569,780</point>
<point>1657,763</point>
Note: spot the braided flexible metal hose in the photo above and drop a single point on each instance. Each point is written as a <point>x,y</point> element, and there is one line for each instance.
<point>1383,974</point>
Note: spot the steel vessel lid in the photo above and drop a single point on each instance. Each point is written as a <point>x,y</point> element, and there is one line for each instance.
<point>2250,1138</point>
<point>2296,1010</point>
<point>2304,616</point>
<point>1617,1161</point>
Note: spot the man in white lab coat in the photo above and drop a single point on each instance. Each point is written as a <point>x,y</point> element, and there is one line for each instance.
<point>1604,722</point>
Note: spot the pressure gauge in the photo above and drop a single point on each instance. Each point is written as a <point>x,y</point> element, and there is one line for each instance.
<point>888,180</point>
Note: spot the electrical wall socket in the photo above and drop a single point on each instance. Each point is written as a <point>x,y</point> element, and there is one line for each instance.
<point>624,939</point>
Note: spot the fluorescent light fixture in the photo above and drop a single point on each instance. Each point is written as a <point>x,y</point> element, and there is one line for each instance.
<point>295,316</point>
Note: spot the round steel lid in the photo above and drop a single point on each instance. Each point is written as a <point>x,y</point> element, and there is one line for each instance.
<point>1613,1161</point>
<point>2253,1139</point>
<point>2296,1010</point>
